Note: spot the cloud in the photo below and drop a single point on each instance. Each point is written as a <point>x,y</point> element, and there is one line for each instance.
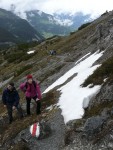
<point>94,8</point>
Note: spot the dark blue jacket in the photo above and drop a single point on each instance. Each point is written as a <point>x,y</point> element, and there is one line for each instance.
<point>10,97</point>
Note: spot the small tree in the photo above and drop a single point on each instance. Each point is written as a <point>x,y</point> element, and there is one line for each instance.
<point>84,25</point>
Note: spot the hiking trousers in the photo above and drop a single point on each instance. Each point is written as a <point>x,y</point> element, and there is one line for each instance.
<point>38,107</point>
<point>10,110</point>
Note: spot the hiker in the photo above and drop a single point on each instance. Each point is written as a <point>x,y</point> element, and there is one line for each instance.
<point>32,91</point>
<point>10,98</point>
<point>52,52</point>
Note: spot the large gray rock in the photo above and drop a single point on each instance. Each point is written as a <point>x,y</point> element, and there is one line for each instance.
<point>53,141</point>
<point>45,130</point>
<point>25,135</point>
<point>105,95</point>
<point>93,126</point>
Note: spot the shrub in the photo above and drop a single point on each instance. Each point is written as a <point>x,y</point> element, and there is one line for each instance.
<point>13,57</point>
<point>105,13</point>
<point>23,69</point>
<point>102,72</point>
<point>84,26</point>
<point>71,33</point>
<point>97,109</point>
<point>18,57</point>
<point>26,46</point>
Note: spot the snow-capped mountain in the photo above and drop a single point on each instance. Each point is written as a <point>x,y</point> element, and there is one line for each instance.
<point>47,24</point>
<point>72,20</point>
<point>56,24</point>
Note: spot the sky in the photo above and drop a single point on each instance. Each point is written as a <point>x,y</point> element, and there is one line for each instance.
<point>95,7</point>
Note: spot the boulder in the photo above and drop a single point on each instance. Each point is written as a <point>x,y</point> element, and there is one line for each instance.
<point>93,126</point>
<point>104,96</point>
<point>45,130</point>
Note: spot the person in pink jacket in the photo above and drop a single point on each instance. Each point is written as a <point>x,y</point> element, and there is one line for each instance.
<point>32,91</point>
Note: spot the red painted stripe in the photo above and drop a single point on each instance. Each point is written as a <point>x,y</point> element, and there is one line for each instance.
<point>34,129</point>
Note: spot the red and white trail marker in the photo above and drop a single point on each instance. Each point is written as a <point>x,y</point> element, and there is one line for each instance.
<point>35,130</point>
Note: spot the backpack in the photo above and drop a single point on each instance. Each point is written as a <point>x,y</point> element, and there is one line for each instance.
<point>26,85</point>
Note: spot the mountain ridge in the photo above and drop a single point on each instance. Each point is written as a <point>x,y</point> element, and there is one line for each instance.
<point>46,24</point>
<point>19,29</point>
<point>56,24</point>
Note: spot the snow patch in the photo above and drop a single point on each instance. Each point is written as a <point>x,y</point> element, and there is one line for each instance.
<point>31,14</point>
<point>76,69</point>
<point>105,79</point>
<point>51,19</point>
<point>87,99</point>
<point>40,12</point>
<point>74,97</point>
<point>21,14</point>
<point>31,52</point>
<point>82,58</point>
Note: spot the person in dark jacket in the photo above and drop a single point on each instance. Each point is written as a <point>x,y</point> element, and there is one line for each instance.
<point>10,98</point>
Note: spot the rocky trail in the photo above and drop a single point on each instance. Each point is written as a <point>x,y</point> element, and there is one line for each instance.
<point>54,141</point>
<point>9,141</point>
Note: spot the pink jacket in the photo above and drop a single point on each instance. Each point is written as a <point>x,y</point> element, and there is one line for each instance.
<point>31,90</point>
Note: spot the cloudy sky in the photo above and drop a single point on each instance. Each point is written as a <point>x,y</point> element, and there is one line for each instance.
<point>95,7</point>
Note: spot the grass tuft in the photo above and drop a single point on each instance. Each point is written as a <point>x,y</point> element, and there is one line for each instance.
<point>102,72</point>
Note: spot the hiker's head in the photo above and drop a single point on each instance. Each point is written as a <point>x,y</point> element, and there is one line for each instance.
<point>29,78</point>
<point>10,86</point>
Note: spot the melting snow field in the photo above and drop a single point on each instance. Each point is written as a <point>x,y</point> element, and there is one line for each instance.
<point>74,97</point>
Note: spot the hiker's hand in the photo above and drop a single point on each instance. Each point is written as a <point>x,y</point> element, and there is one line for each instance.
<point>37,99</point>
<point>14,107</point>
<point>4,106</point>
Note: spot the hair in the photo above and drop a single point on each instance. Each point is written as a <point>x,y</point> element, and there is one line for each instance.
<point>12,84</point>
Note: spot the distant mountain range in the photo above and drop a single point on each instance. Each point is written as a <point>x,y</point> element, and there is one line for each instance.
<point>47,24</point>
<point>37,25</point>
<point>13,29</point>
<point>56,24</point>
